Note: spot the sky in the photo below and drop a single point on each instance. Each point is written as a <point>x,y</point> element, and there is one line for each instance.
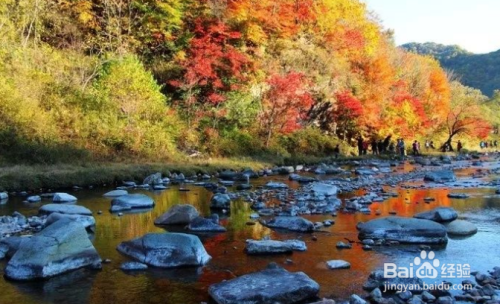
<point>472,24</point>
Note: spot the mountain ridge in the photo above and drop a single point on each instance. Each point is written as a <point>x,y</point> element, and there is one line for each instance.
<point>481,71</point>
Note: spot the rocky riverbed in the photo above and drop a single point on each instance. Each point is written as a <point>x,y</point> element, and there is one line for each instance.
<point>306,220</point>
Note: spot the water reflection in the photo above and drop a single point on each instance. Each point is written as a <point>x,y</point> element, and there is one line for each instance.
<point>60,289</point>
<point>189,285</point>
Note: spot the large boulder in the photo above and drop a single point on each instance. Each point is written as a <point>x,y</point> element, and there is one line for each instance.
<point>64,209</point>
<point>166,250</point>
<point>274,247</point>
<point>441,176</point>
<point>59,248</point>
<point>34,199</point>
<point>269,286</point>
<point>178,215</point>
<point>323,189</point>
<point>10,245</point>
<point>116,193</point>
<point>131,201</point>
<point>63,198</point>
<point>201,224</point>
<point>439,214</point>
<point>220,201</point>
<point>153,179</point>
<point>293,223</point>
<point>403,230</point>
<point>461,228</point>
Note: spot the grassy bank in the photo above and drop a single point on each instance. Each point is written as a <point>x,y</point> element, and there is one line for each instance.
<point>60,176</point>
<point>28,177</point>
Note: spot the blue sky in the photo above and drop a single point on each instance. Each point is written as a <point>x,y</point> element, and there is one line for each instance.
<point>472,24</point>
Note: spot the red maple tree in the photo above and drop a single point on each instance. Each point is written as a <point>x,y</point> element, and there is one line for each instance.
<point>285,103</point>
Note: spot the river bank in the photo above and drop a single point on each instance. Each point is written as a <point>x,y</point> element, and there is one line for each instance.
<point>36,178</point>
<point>64,176</point>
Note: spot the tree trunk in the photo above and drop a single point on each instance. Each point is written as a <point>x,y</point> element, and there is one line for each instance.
<point>448,143</point>
<point>268,138</point>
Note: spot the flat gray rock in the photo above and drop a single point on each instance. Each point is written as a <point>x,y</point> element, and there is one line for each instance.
<point>63,198</point>
<point>276,185</point>
<point>115,193</point>
<point>131,201</point>
<point>64,209</point>
<point>270,286</point>
<point>324,301</point>
<point>129,266</point>
<point>166,250</point>
<point>323,189</point>
<point>59,248</point>
<point>403,230</point>
<point>34,199</point>
<point>86,221</point>
<point>301,179</point>
<point>458,195</point>
<point>293,223</point>
<point>274,247</point>
<point>439,214</point>
<point>441,176</point>
<point>178,215</point>
<point>338,264</point>
<point>461,228</point>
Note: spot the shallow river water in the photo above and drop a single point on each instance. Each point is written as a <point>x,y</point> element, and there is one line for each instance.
<point>190,285</point>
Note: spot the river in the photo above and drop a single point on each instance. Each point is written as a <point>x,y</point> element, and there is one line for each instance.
<point>190,285</point>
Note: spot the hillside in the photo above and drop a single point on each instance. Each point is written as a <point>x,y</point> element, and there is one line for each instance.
<point>480,71</point>
<point>141,80</point>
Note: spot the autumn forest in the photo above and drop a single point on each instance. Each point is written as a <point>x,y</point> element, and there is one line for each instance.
<point>161,79</point>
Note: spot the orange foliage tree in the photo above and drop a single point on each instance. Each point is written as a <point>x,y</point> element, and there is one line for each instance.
<point>465,116</point>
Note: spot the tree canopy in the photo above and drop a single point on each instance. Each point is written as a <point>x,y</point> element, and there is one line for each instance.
<point>152,78</point>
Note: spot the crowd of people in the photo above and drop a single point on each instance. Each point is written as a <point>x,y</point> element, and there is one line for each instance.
<point>493,144</point>
<point>387,146</point>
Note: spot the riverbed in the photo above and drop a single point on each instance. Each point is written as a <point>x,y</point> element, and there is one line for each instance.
<point>190,285</point>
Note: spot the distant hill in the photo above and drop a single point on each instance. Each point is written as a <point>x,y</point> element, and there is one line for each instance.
<point>481,71</point>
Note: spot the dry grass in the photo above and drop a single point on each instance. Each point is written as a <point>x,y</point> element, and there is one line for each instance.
<point>60,176</point>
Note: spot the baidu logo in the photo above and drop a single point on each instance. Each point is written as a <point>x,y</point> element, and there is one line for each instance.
<point>426,265</point>
<point>430,266</point>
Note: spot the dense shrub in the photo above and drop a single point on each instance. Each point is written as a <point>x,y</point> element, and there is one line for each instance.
<point>309,141</point>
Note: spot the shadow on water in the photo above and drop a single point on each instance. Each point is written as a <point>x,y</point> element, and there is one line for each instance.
<point>190,285</point>
<point>60,289</point>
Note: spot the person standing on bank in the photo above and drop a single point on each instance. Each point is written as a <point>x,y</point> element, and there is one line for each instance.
<point>336,151</point>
